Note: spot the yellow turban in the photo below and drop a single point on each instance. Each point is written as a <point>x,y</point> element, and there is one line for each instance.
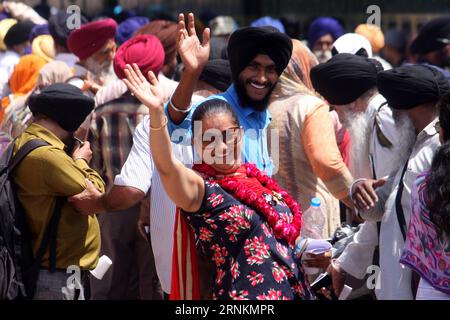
<point>5,24</point>
<point>44,47</point>
<point>374,34</point>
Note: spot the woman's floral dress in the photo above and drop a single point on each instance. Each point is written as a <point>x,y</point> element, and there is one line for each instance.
<point>250,262</point>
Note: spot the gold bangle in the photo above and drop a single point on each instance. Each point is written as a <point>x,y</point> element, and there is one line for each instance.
<point>162,126</point>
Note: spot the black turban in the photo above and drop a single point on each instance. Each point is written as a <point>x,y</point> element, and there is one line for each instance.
<point>409,86</point>
<point>246,43</point>
<point>218,46</point>
<point>345,77</point>
<point>19,33</point>
<point>217,73</point>
<point>431,36</point>
<point>57,25</point>
<point>63,103</point>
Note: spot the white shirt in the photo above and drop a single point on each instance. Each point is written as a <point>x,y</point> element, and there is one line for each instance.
<point>426,291</point>
<point>69,58</point>
<point>168,85</point>
<point>358,255</point>
<point>395,278</point>
<point>381,156</point>
<point>139,172</point>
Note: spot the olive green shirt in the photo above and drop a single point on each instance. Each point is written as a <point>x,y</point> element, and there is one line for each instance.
<point>46,173</point>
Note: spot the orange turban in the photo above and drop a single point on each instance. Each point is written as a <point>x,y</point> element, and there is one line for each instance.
<point>23,79</point>
<point>372,33</point>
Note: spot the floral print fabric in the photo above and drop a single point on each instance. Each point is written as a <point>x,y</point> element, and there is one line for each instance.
<point>425,252</point>
<point>250,263</point>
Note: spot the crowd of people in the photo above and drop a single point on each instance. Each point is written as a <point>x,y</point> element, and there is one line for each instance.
<point>186,151</point>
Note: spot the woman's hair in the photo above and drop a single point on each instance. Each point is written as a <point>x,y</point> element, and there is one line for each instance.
<point>444,115</point>
<point>438,182</point>
<point>211,108</point>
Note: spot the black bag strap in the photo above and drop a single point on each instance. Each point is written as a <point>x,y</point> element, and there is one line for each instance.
<point>49,239</point>
<point>398,204</point>
<point>382,139</point>
<point>24,151</point>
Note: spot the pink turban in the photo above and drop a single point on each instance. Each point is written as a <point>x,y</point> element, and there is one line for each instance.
<point>145,50</point>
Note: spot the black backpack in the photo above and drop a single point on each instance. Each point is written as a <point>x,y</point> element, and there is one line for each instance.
<point>19,269</point>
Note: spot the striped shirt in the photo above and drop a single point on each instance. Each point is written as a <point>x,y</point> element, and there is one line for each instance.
<point>111,134</point>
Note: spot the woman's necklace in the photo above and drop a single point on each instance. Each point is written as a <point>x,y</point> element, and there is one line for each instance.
<point>241,191</point>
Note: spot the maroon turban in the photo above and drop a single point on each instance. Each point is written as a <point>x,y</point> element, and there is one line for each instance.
<point>166,32</point>
<point>91,37</point>
<point>144,50</point>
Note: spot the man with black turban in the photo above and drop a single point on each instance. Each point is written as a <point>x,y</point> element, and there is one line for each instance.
<point>17,38</point>
<point>349,82</point>
<point>414,91</point>
<point>215,78</point>
<point>46,177</point>
<point>257,58</point>
<point>58,28</point>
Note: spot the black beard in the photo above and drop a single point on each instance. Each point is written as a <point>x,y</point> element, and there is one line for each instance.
<point>246,101</point>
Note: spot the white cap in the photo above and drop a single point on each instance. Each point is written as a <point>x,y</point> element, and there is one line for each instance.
<point>222,26</point>
<point>352,43</point>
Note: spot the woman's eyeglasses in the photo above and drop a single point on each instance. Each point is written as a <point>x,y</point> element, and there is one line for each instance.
<point>229,136</point>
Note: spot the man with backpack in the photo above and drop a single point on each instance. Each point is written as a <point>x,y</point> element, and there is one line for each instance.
<point>64,242</point>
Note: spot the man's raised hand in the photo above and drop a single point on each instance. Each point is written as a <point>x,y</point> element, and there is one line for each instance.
<point>194,54</point>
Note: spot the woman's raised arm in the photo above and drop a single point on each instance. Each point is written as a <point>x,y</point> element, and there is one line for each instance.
<point>184,186</point>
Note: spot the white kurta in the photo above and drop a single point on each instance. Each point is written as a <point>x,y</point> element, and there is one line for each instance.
<point>358,255</point>
<point>395,279</point>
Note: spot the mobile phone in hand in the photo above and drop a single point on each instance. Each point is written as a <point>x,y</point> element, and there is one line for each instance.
<point>323,281</point>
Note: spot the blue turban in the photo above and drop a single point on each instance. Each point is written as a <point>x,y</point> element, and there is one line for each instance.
<point>322,26</point>
<point>4,15</point>
<point>127,28</point>
<point>269,22</point>
<point>39,30</point>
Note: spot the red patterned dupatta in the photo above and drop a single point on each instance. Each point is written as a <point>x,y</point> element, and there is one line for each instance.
<point>185,281</point>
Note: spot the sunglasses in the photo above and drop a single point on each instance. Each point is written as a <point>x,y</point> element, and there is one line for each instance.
<point>229,136</point>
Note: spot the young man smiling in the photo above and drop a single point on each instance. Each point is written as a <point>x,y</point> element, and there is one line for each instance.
<point>257,57</point>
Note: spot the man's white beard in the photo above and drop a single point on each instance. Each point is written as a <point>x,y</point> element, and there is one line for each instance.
<point>405,142</point>
<point>323,55</point>
<point>360,131</point>
<point>358,125</point>
<point>108,74</point>
<point>100,71</point>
